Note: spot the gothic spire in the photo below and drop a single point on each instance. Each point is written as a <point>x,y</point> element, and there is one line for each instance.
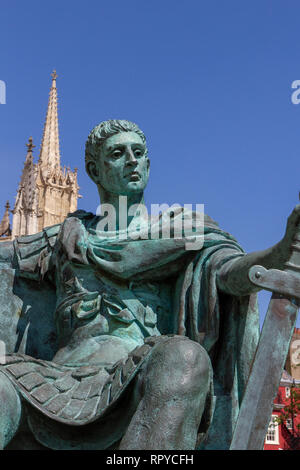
<point>49,154</point>
<point>46,192</point>
<point>25,205</point>
<point>26,189</point>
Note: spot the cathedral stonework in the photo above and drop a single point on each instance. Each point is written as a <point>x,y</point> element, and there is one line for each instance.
<point>47,192</point>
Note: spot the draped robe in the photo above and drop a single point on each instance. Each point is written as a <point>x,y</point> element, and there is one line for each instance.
<point>225,325</point>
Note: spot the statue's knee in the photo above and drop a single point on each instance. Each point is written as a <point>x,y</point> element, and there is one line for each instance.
<point>192,363</point>
<point>189,355</point>
<point>180,364</point>
<point>10,410</point>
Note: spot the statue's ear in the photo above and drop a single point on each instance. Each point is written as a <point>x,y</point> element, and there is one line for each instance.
<point>92,171</point>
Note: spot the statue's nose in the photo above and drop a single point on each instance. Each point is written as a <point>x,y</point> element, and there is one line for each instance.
<point>130,158</point>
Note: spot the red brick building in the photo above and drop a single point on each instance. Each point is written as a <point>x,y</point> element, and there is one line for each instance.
<point>283,436</point>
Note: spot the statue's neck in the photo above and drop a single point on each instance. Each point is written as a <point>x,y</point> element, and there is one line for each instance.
<point>126,207</point>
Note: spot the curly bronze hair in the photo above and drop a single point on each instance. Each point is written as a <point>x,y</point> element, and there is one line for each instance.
<point>104,130</point>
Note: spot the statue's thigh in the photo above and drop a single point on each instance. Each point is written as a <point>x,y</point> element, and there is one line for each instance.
<point>10,410</point>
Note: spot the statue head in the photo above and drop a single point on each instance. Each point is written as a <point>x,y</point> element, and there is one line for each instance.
<point>116,157</point>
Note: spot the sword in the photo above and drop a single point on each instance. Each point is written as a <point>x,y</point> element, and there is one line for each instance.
<point>265,375</point>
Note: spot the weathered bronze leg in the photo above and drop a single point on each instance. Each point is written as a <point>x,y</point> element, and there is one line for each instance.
<point>10,411</point>
<point>174,384</point>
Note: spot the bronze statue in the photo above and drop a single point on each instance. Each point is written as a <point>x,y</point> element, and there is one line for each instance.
<point>151,344</point>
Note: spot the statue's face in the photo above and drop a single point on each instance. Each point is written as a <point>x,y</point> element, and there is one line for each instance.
<point>123,167</point>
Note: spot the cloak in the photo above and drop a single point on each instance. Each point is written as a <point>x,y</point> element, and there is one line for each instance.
<point>227,326</point>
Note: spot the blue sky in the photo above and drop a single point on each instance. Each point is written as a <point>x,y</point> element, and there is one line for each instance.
<point>209,82</point>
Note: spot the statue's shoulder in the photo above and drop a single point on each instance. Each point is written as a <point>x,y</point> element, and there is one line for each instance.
<point>32,252</point>
<point>37,241</point>
<point>212,226</point>
<point>187,213</point>
<point>208,221</point>
<point>28,247</point>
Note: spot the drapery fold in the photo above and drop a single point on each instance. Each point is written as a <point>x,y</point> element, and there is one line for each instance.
<point>227,326</point>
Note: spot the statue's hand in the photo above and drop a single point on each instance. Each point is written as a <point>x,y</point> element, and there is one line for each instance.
<point>233,276</point>
<point>292,234</point>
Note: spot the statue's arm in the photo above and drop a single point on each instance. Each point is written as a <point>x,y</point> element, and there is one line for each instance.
<point>232,277</point>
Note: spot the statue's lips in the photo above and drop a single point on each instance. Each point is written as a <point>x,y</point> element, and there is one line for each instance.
<point>134,176</point>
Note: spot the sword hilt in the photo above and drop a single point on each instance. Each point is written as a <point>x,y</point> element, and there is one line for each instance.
<point>285,282</point>
<point>293,264</point>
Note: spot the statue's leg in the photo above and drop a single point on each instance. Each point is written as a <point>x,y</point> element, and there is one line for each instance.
<point>173,387</point>
<point>10,411</point>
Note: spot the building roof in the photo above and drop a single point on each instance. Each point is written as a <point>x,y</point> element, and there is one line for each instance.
<point>287,380</point>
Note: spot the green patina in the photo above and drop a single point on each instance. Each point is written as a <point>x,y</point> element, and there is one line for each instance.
<point>96,312</point>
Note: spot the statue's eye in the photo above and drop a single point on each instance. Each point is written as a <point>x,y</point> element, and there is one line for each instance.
<point>117,153</point>
<point>138,153</point>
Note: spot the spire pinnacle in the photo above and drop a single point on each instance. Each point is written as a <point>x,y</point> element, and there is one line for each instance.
<point>54,77</point>
<point>30,145</point>
<point>49,153</point>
